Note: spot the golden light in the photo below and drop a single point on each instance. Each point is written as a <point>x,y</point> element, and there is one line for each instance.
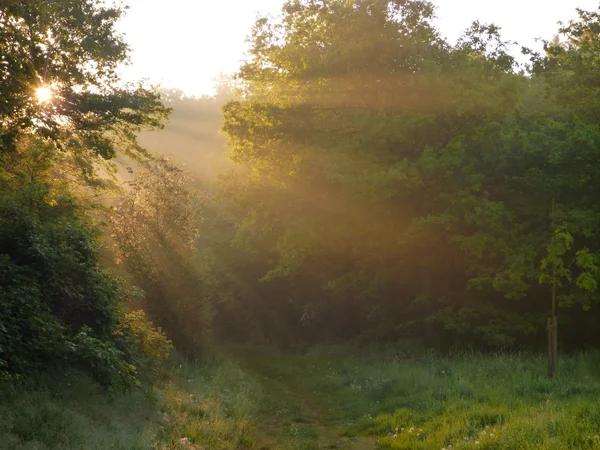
<point>43,94</point>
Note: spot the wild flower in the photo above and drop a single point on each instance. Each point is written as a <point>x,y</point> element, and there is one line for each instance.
<point>411,429</point>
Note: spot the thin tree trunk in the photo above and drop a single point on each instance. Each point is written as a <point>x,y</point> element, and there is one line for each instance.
<point>555,343</point>
<point>550,348</point>
<point>552,325</point>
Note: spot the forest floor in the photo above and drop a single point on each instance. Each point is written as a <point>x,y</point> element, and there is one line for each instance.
<point>253,398</point>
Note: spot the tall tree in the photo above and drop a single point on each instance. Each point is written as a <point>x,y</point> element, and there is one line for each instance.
<point>370,140</point>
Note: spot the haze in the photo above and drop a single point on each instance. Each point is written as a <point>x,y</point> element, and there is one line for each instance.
<point>386,238</point>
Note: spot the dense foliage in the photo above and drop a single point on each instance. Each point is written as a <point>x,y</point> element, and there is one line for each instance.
<point>58,307</point>
<point>403,186</point>
<point>72,49</point>
<point>389,185</point>
<point>63,110</point>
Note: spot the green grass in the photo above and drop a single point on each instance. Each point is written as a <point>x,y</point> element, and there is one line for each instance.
<point>212,406</point>
<point>331,397</point>
<point>76,414</point>
<point>469,401</point>
<point>208,405</point>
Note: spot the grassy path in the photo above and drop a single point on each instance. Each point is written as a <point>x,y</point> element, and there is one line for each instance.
<point>331,398</point>
<point>293,418</point>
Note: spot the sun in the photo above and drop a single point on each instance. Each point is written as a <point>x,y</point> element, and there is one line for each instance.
<point>43,94</point>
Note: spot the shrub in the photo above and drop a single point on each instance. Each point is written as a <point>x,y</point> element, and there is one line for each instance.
<point>57,306</point>
<point>145,346</point>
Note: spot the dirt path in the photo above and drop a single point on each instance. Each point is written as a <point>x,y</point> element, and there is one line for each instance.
<point>292,419</point>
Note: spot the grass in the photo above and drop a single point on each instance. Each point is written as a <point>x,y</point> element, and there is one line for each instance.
<point>330,397</point>
<point>212,406</point>
<point>75,414</point>
<point>207,406</point>
<point>471,401</point>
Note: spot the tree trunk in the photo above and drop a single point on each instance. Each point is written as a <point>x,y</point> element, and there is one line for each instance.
<point>552,325</point>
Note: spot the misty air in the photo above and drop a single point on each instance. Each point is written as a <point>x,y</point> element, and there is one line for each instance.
<point>299,225</point>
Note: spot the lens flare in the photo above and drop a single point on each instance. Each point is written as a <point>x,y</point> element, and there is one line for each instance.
<point>43,94</point>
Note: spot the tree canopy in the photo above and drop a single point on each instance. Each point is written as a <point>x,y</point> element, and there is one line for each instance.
<point>71,49</point>
<point>401,185</point>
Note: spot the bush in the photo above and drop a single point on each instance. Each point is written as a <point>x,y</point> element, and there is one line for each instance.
<point>57,306</point>
<point>145,346</point>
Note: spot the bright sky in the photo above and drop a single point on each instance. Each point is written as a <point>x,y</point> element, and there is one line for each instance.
<point>187,43</point>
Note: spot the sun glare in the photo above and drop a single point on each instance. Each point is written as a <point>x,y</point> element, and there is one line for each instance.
<point>43,94</point>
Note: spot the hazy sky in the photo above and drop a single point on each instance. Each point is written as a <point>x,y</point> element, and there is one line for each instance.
<point>187,43</point>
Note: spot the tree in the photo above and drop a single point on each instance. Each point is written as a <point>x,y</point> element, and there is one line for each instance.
<point>60,90</point>
<point>154,226</point>
<point>71,50</point>
<point>370,140</point>
<point>404,183</point>
<point>557,272</point>
<point>569,74</point>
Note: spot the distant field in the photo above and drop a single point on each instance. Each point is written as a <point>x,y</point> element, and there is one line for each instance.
<point>329,398</point>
